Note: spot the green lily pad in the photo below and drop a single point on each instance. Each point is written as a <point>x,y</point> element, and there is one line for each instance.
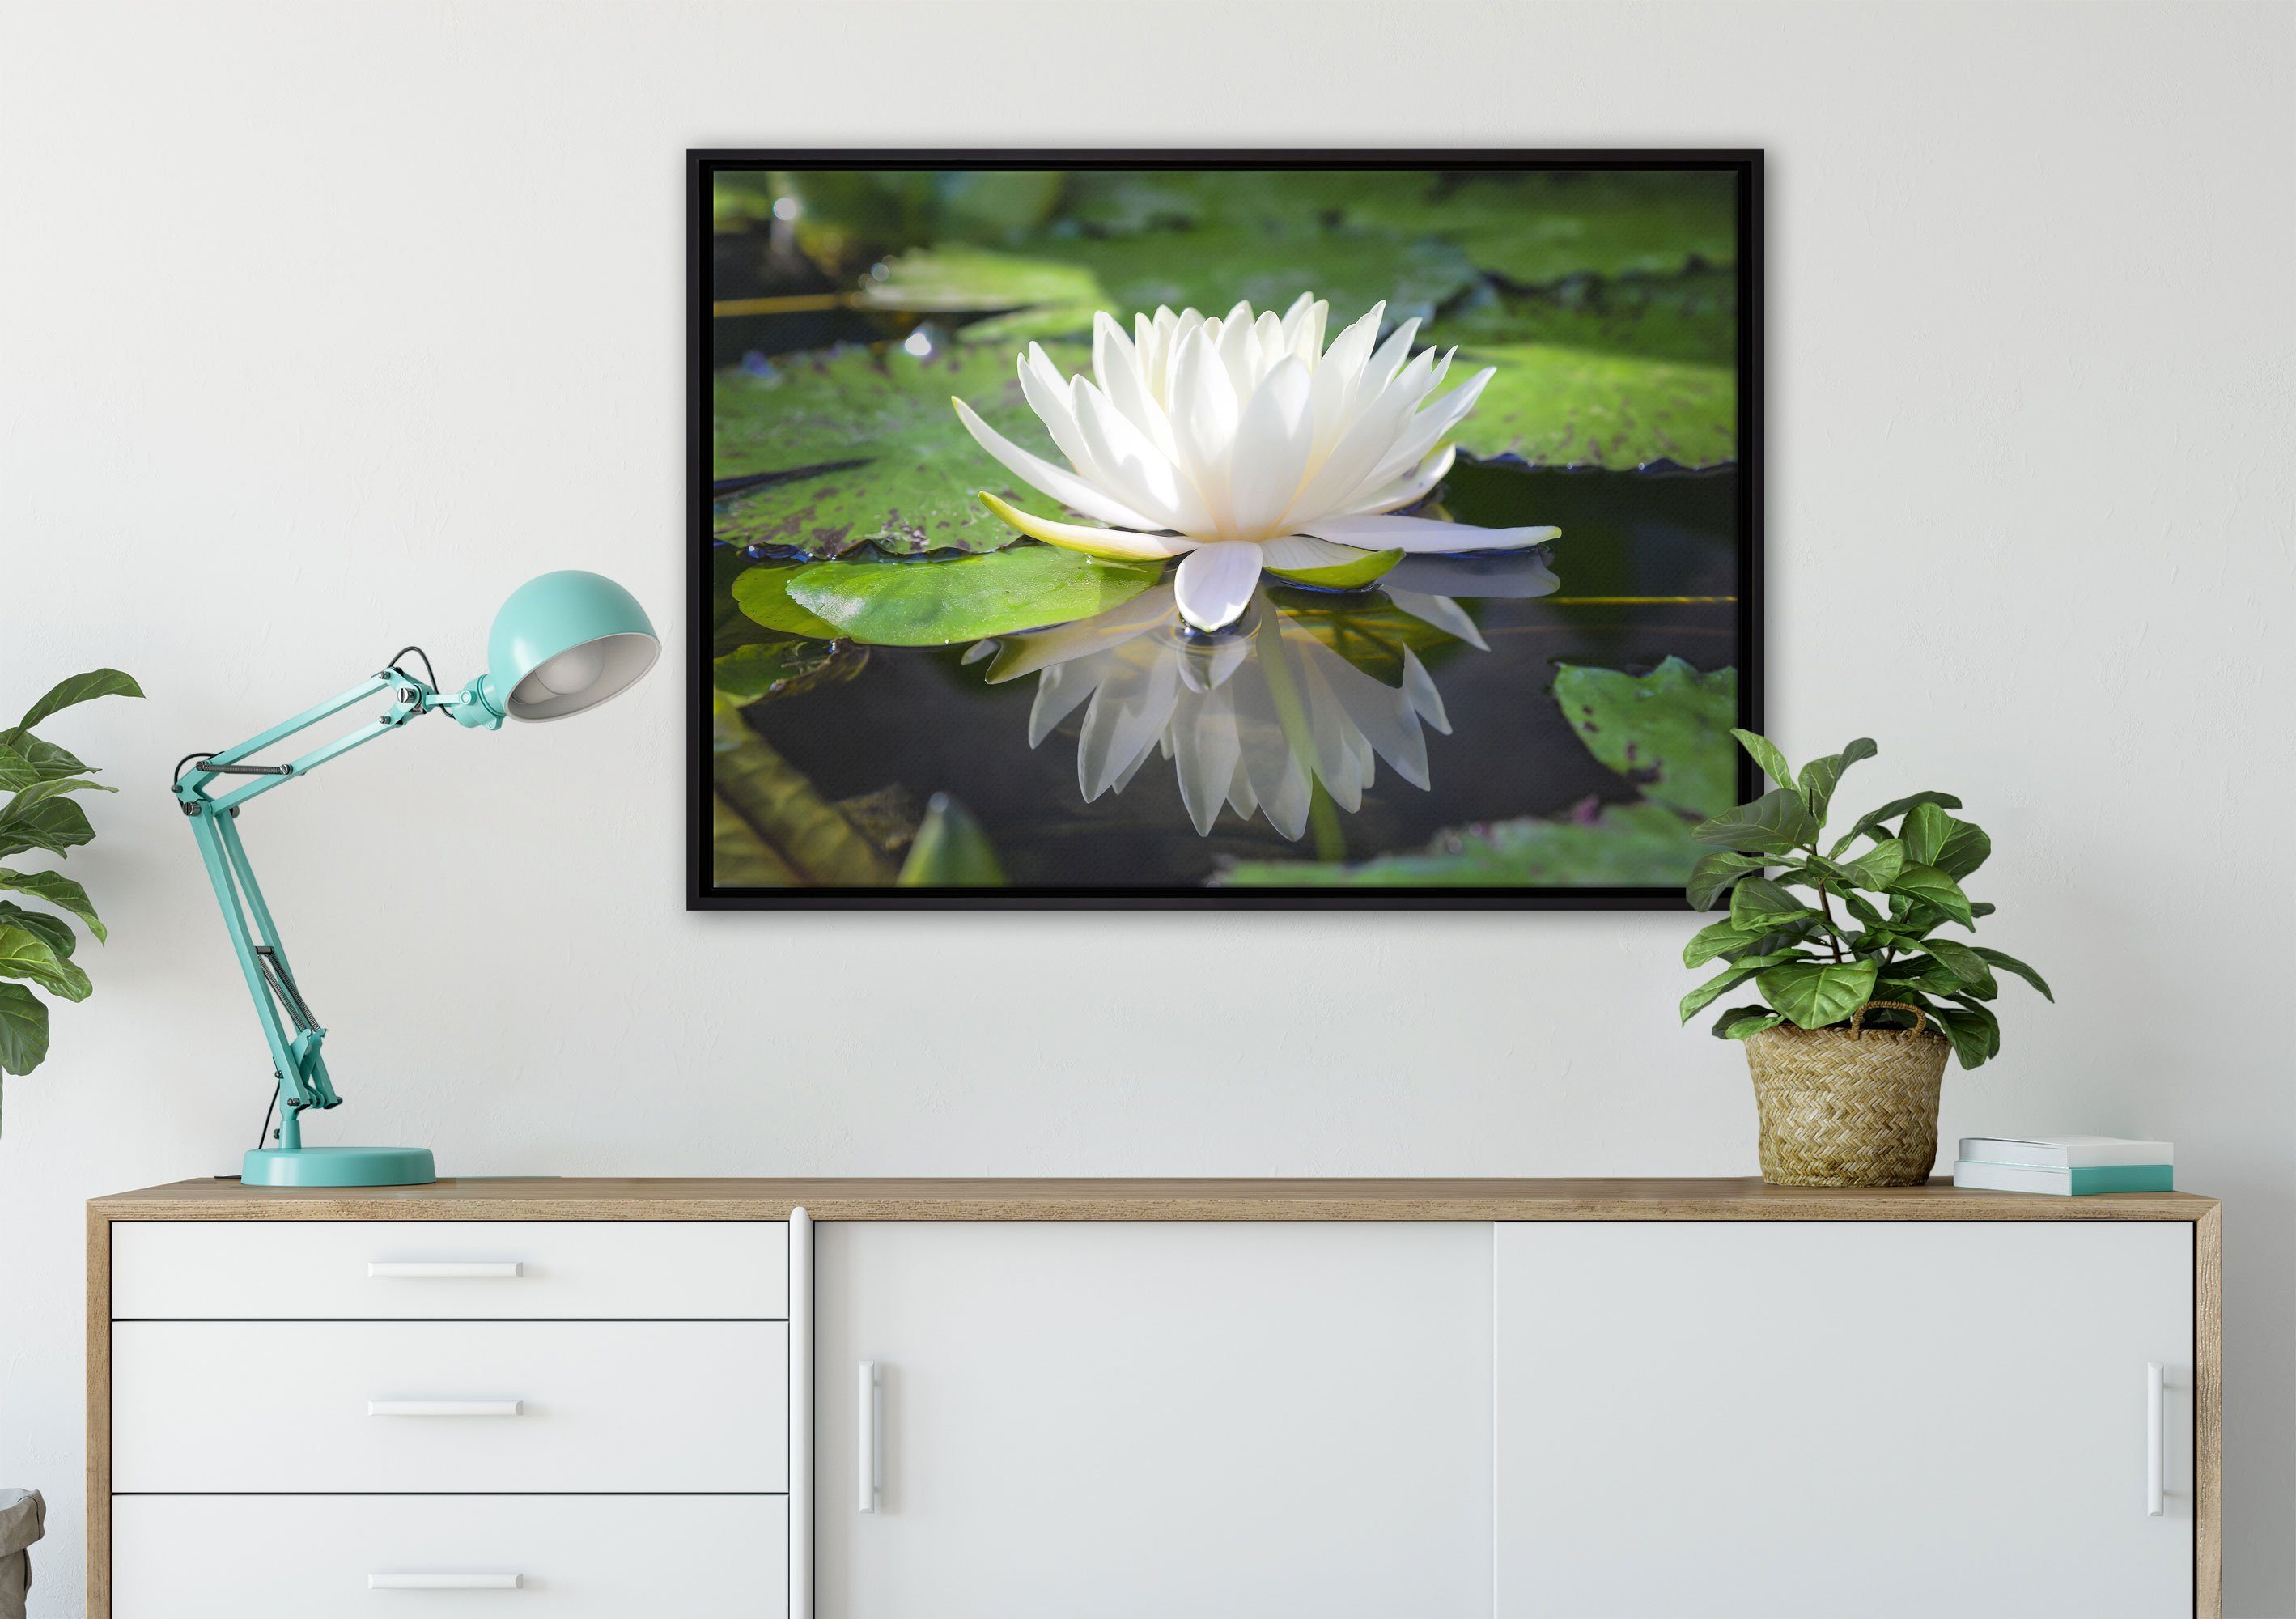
<point>846,214</point>
<point>870,450</point>
<point>783,667</point>
<point>1211,267</point>
<point>1669,730</point>
<point>1625,845</point>
<point>1576,407</point>
<point>960,279</point>
<point>1690,317</point>
<point>936,603</point>
<point>762,594</point>
<point>1533,229</point>
<point>1353,574</point>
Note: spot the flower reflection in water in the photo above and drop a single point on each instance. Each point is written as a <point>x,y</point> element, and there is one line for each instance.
<point>1255,715</point>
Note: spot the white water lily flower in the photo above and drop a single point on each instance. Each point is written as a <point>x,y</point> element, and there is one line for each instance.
<point>1251,718</point>
<point>1242,443</point>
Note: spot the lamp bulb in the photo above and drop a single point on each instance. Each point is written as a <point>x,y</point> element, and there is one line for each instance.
<point>573,671</point>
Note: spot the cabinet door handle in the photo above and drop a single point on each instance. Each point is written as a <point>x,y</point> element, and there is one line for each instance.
<point>872,1447</point>
<point>446,1407</point>
<point>445,1581</point>
<point>2156,1439</point>
<point>445,1267</point>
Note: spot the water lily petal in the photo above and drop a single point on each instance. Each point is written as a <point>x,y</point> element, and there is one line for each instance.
<point>1393,532</point>
<point>1116,365</point>
<point>1351,461</point>
<point>1440,610</point>
<point>1298,554</point>
<point>1271,442</point>
<point>1419,691</point>
<point>1239,354</point>
<point>1048,393</point>
<point>1061,484</point>
<point>1408,489</point>
<point>1062,689</point>
<point>1118,542</point>
<point>1138,473</point>
<point>1204,414</point>
<point>1023,654</point>
<point>1419,436</point>
<point>1338,375</point>
<point>1214,582</point>
<point>1206,751</point>
<point>1388,357</point>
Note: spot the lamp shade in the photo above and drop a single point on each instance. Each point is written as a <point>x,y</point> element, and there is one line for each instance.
<point>565,642</point>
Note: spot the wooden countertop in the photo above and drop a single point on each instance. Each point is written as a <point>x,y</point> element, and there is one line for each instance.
<point>545,1197</point>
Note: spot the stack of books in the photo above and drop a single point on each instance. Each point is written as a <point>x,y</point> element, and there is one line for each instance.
<point>2068,1166</point>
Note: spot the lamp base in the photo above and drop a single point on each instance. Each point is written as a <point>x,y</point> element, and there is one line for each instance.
<point>337,1166</point>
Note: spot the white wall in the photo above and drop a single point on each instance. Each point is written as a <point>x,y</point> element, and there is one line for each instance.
<point>322,327</point>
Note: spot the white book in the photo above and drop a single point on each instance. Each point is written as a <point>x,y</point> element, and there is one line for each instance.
<point>2064,1183</point>
<point>2064,1151</point>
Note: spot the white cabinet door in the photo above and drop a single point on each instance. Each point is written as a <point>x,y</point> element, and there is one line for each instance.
<point>1140,1421</point>
<point>1820,1419</point>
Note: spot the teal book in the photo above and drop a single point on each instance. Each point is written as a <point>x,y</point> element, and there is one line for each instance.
<point>2066,1182</point>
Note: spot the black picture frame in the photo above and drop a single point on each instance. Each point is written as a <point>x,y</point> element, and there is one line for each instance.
<point>703,164</point>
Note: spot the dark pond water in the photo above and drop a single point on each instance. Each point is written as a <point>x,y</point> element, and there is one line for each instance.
<point>926,720</point>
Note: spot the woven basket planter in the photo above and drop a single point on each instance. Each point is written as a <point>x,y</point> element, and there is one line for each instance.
<point>1851,1107</point>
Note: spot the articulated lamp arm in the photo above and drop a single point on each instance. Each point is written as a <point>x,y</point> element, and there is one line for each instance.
<point>288,1027</point>
<point>562,644</point>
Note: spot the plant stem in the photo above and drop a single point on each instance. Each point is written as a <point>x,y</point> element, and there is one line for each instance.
<point>1825,904</point>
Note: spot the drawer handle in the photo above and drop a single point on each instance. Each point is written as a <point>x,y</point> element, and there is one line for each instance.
<point>2156,1437</point>
<point>443,1581</point>
<point>872,1459</point>
<point>445,1267</point>
<point>446,1407</point>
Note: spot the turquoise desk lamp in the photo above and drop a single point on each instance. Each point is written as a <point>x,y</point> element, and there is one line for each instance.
<point>564,643</point>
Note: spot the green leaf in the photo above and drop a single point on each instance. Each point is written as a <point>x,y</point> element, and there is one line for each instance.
<point>1932,887</point>
<point>1759,903</point>
<point>61,891</point>
<point>1573,407</point>
<point>1964,849</point>
<point>955,278</point>
<point>1714,939</point>
<point>866,448</point>
<point>762,594</point>
<point>56,825</point>
<point>781,667</point>
<point>2010,964</point>
<point>27,955</point>
<point>1713,989</point>
<point>1972,1043</point>
<point>1717,872</point>
<point>1813,994</point>
<point>64,694</point>
<point>1775,823</point>
<point>53,932</point>
<point>1765,753</point>
<point>1878,866</point>
<point>23,1030</point>
<point>936,603</point>
<point>1891,812</point>
<point>21,805</point>
<point>1820,776</point>
<point>1966,964</point>
<point>769,819</point>
<point>951,850</point>
<point>1667,728</point>
<point>1739,1022</point>
<point>1925,831</point>
<point>1691,317</point>
<point>1351,575</point>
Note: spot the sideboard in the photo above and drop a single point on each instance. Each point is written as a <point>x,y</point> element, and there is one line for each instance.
<point>1227,1399</point>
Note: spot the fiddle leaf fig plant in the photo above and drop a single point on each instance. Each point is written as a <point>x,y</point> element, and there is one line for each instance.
<point>38,815</point>
<point>1823,929</point>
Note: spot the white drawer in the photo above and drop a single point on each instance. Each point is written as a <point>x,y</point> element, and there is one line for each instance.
<point>256,1556</point>
<point>396,1269</point>
<point>285,1406</point>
